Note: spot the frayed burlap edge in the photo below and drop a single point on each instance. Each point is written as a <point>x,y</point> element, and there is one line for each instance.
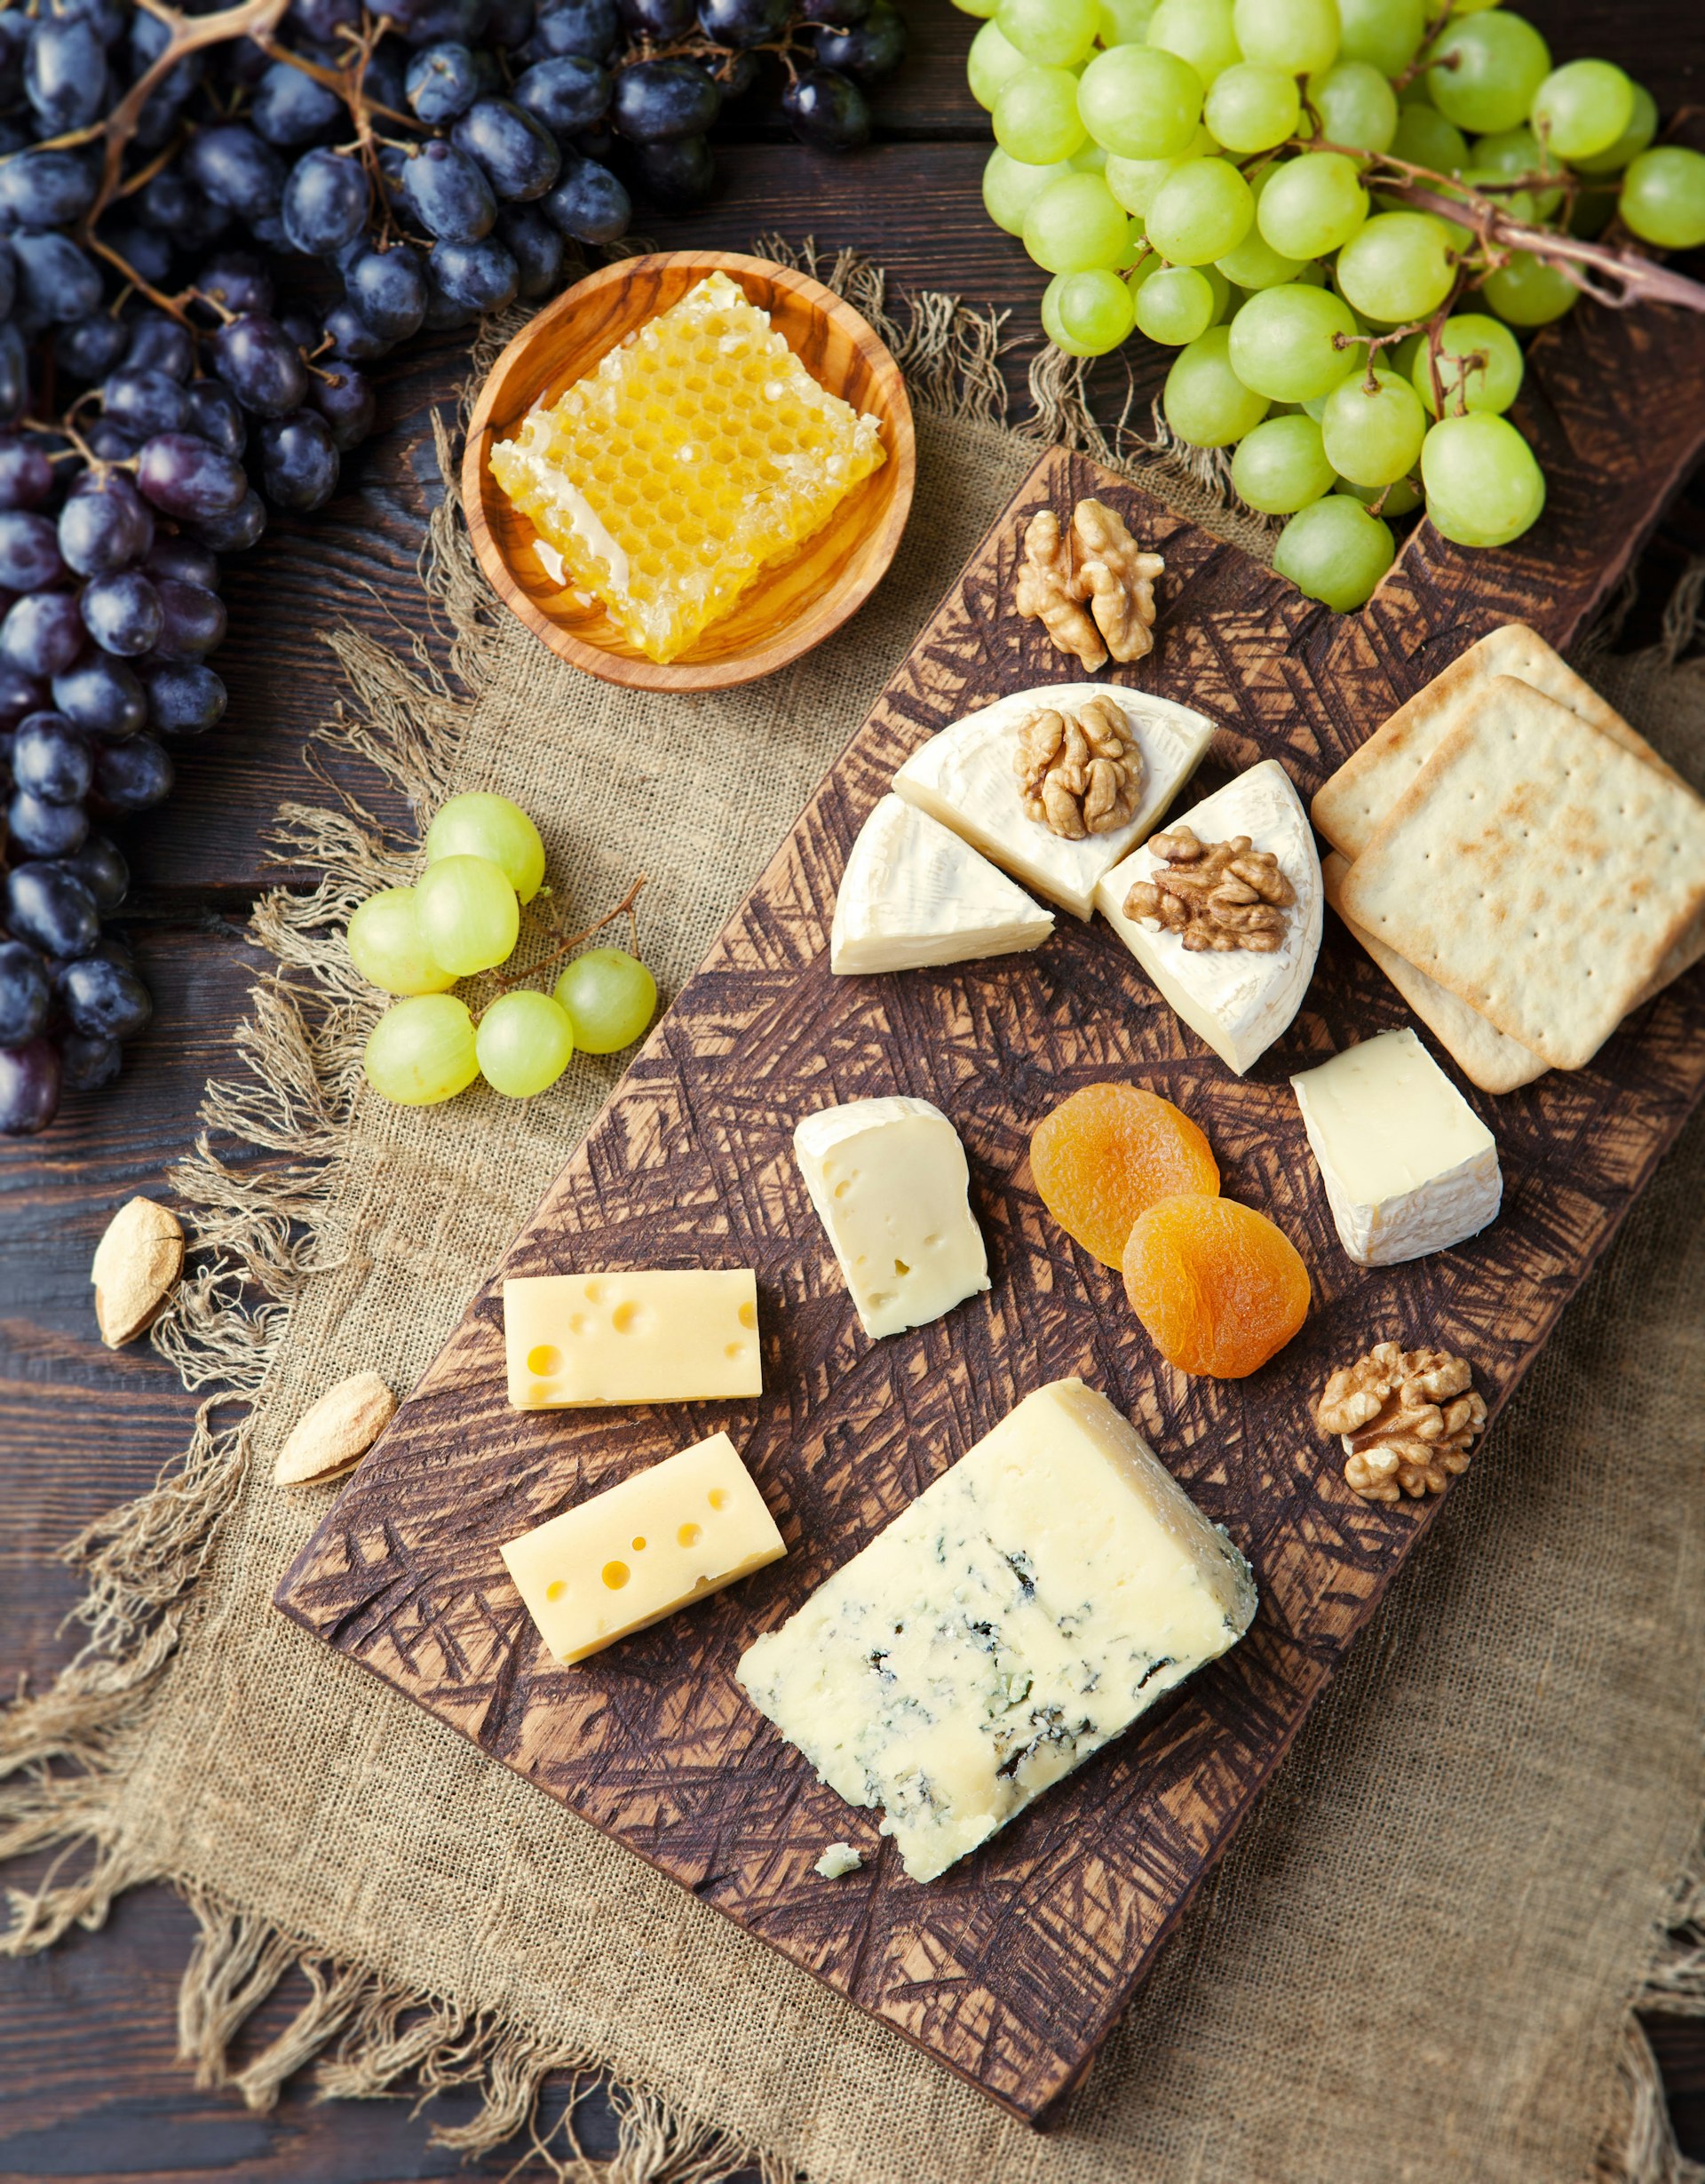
<point>257,1235</point>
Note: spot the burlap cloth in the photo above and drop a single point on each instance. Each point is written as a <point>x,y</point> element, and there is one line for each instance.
<point>1418,1960</point>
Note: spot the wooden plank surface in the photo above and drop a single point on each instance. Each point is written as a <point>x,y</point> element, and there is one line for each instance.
<point>88,2085</point>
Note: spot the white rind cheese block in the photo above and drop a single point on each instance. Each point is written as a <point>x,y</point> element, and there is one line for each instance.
<point>1409,1166</point>
<point>575,1339</point>
<point>638,1551</point>
<point>967,778</point>
<point>913,894</point>
<point>891,1187</point>
<point>1026,1608</point>
<point>1242,1000</point>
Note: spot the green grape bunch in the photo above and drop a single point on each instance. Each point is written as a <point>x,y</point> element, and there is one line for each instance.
<point>1343,215</point>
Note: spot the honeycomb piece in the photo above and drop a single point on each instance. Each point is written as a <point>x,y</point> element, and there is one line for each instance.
<point>1106,1153</point>
<point>700,452</point>
<point>1217,1287</point>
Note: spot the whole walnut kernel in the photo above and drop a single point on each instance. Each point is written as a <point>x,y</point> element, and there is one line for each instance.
<point>1407,1419</point>
<point>1079,773</point>
<point>1091,586</point>
<point>1217,895</point>
<point>1049,589</point>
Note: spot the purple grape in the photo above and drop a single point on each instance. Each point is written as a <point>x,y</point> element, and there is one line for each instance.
<point>14,36</point>
<point>131,776</point>
<point>51,759</point>
<point>14,369</point>
<point>676,175</point>
<point>345,400</point>
<point>46,188</point>
<point>19,693</point>
<point>325,202</point>
<point>441,82</point>
<point>734,74</point>
<point>60,281</point>
<point>841,14</point>
<point>29,551</point>
<point>236,168</point>
<point>42,633</point>
<point>589,202</point>
<point>8,273</point>
<point>449,193</point>
<point>144,402</point>
<point>299,462</point>
<point>215,415</point>
<point>238,529</point>
<point>194,618</point>
<point>39,829</point>
<point>171,204</point>
<point>26,475</point>
<point>535,245</point>
<point>104,999</point>
<point>565,93</point>
<point>185,478</point>
<point>160,344</point>
<point>49,905</point>
<point>181,558</point>
<point>323,19</point>
<point>124,613</point>
<point>868,52</point>
<point>587,28</point>
<point>105,524</point>
<point>111,443</point>
<point>660,20</point>
<point>144,254</point>
<point>387,288</point>
<point>65,74</point>
<point>474,276</point>
<point>185,699</point>
<point>102,696</point>
<point>353,340</point>
<point>423,22</point>
<point>743,23</point>
<point>238,280</point>
<point>260,364</point>
<point>30,1081</point>
<point>826,110</point>
<point>100,868</point>
<point>289,109</point>
<point>301,328</point>
<point>518,153</point>
<point>25,993</point>
<point>661,101</point>
<point>90,348</point>
<point>88,1064</point>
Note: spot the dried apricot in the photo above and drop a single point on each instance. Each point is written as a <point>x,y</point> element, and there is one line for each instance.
<point>1219,1287</point>
<point>1108,1152</point>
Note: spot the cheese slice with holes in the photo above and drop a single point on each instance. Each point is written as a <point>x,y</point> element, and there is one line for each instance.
<point>913,894</point>
<point>967,778</point>
<point>890,1184</point>
<point>575,1339</point>
<point>636,1552</point>
<point>1240,1001</point>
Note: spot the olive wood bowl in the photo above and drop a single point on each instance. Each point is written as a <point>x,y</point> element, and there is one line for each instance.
<point>789,607</point>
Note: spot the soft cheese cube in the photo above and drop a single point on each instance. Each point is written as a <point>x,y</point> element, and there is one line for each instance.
<point>1027,1606</point>
<point>1409,1166</point>
<point>638,1551</point>
<point>890,1185</point>
<point>572,1339</point>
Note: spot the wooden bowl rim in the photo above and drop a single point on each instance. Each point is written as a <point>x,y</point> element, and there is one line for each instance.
<point>789,643</point>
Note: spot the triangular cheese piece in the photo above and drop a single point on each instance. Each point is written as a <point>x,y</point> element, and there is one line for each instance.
<point>966,777</point>
<point>1239,1001</point>
<point>914,893</point>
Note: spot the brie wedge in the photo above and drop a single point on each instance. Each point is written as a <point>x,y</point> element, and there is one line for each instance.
<point>914,893</point>
<point>967,778</point>
<point>1242,1000</point>
<point>1409,1166</point>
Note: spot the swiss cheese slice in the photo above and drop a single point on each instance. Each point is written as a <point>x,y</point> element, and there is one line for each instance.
<point>573,1339</point>
<point>913,894</point>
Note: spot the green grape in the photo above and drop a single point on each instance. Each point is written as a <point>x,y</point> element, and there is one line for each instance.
<point>1401,355</point>
<point>1249,109</point>
<point>385,947</point>
<point>1091,160</point>
<point>523,1043</point>
<point>1480,365</point>
<point>1643,126</point>
<point>1009,187</point>
<point>990,63</point>
<point>1528,292</point>
<point>1386,33</point>
<point>1512,152</point>
<point>1401,499</point>
<point>1664,197</point>
<point>1518,203</point>
<point>490,826</point>
<point>1087,314</point>
<point>1125,22</point>
<point>1484,69</point>
<point>1373,435</point>
<point>1483,486</point>
<point>1058,33</point>
<point>421,1050</point>
<point>1255,263</point>
<point>1470,7</point>
<point>469,917</point>
<point>1312,206</point>
<point>1582,108</point>
<point>1399,266</point>
<point>1198,31</point>
<point>1140,103</point>
<point>1425,138</point>
<point>1296,36</point>
<point>975,7</point>
<point>1357,107</point>
<point>1281,465</point>
<point>1035,116</point>
<point>1074,224</point>
<point>1134,181</point>
<point>1202,209</point>
<point>1291,343</point>
<point>1335,551</point>
<point>1175,306</point>
<point>1204,401</point>
<point>610,997</point>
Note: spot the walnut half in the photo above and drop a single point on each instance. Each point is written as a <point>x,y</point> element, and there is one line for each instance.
<point>1219,895</point>
<point>1079,773</point>
<point>1097,566</point>
<point>1407,1419</point>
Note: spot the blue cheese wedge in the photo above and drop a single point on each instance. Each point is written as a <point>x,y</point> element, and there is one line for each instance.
<point>914,894</point>
<point>1409,1166</point>
<point>968,778</point>
<point>1026,1608</point>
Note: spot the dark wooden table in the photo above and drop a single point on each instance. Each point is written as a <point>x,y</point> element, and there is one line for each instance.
<point>89,2086</point>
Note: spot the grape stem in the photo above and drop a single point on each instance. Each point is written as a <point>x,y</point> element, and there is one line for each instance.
<point>624,908</point>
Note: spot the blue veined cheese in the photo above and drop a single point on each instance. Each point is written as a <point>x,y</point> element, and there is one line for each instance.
<point>1026,1608</point>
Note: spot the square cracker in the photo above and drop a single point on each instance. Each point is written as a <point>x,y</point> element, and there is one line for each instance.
<point>1480,1050</point>
<point>1350,807</point>
<point>1537,869</point>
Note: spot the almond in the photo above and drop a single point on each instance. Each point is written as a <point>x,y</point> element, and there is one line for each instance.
<point>136,1264</point>
<point>336,1432</point>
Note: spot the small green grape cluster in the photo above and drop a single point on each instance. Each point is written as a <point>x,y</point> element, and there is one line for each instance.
<point>484,860</point>
<point>1231,178</point>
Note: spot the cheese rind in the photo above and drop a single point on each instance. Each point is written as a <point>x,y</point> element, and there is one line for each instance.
<point>1240,1001</point>
<point>914,894</point>
<point>636,1552</point>
<point>1409,1166</point>
<point>966,778</point>
<point>890,1184</point>
<point>1024,1608</point>
<point>576,1339</point>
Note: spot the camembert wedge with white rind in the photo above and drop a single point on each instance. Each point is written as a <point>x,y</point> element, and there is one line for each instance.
<point>576,1339</point>
<point>914,894</point>
<point>1239,1001</point>
<point>967,778</point>
<point>1026,1608</point>
<point>890,1184</point>
<point>1409,1166</point>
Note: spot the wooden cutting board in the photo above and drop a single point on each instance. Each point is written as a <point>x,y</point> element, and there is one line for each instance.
<point>1011,1969</point>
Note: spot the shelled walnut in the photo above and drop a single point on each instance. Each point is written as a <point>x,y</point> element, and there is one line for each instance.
<point>1048,589</point>
<point>1219,895</point>
<point>1093,589</point>
<point>1407,1419</point>
<point>1079,773</point>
